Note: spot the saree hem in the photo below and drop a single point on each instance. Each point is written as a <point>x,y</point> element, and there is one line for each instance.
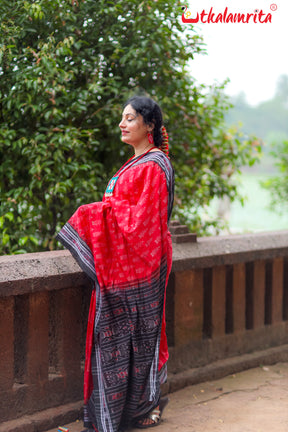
<point>71,240</point>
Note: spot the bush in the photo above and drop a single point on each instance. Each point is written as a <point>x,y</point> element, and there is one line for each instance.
<point>66,67</point>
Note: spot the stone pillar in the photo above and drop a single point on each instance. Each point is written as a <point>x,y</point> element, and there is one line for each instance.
<point>239,297</point>
<point>277,290</point>
<point>218,300</point>
<point>6,343</point>
<point>259,294</point>
<point>68,333</point>
<point>37,338</point>
<point>188,321</point>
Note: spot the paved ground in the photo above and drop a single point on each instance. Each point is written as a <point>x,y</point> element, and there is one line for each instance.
<point>251,401</point>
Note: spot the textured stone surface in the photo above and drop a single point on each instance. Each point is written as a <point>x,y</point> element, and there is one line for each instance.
<point>250,401</point>
<point>231,324</point>
<point>217,386</point>
<point>44,420</point>
<point>19,272</point>
<point>211,251</point>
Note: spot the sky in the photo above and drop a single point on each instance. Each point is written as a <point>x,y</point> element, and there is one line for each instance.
<point>252,55</point>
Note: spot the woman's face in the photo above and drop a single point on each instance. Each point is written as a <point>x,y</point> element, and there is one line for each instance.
<point>134,130</point>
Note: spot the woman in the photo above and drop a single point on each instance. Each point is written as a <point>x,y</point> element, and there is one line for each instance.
<point>124,245</point>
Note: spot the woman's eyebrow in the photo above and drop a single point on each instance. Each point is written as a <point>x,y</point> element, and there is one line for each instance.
<point>127,114</point>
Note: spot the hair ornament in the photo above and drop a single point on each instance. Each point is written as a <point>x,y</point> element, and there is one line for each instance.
<point>165,144</point>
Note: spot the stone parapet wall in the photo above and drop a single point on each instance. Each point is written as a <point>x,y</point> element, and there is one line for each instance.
<point>226,296</point>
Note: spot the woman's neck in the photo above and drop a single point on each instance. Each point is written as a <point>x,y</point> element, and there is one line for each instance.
<point>142,150</point>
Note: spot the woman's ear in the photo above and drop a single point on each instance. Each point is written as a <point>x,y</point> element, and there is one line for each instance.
<point>150,127</point>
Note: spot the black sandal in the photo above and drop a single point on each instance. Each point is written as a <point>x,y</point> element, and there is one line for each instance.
<point>154,415</point>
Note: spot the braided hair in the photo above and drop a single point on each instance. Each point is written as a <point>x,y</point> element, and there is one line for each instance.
<point>152,115</point>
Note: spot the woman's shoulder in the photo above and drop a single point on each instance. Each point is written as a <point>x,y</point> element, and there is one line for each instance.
<point>157,161</point>
<point>161,159</point>
<point>158,157</point>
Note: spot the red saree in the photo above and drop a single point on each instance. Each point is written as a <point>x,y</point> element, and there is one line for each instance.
<point>124,245</point>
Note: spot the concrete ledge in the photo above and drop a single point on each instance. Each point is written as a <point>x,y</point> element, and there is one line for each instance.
<point>227,250</point>
<point>181,234</point>
<point>45,420</point>
<point>20,274</point>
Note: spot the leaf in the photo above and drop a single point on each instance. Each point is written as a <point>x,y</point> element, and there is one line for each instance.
<point>23,241</point>
<point>9,216</point>
<point>5,239</point>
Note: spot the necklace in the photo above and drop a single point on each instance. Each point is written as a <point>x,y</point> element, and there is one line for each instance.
<point>112,182</point>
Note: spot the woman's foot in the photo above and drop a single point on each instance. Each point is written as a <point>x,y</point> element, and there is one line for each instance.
<point>154,417</point>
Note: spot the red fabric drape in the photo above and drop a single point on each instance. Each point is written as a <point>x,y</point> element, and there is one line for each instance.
<point>128,236</point>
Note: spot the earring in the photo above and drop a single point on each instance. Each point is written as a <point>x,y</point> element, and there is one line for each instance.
<point>150,138</point>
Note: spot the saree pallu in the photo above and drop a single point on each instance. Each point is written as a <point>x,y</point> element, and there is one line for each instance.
<point>124,246</point>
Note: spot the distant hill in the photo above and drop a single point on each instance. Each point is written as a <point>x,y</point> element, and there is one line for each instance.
<point>268,120</point>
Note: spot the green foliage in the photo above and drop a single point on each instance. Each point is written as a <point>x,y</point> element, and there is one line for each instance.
<point>66,67</point>
<point>278,184</point>
<point>212,154</point>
